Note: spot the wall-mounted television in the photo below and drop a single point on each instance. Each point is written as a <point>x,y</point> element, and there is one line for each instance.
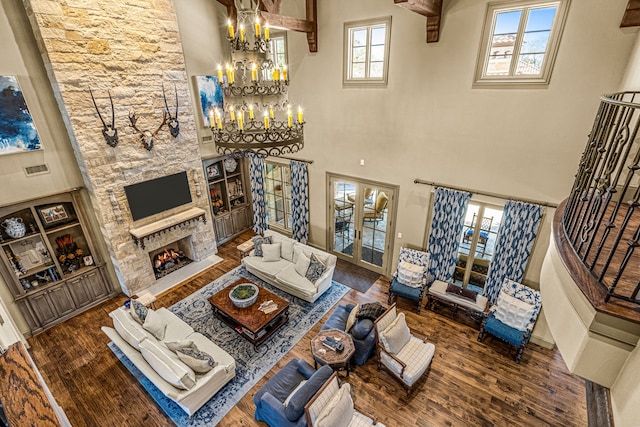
<point>158,195</point>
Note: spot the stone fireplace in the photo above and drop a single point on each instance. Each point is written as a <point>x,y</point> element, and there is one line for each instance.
<point>171,257</point>
<point>130,60</point>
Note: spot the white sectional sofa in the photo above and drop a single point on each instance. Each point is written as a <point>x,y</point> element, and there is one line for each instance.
<point>282,273</point>
<point>137,343</point>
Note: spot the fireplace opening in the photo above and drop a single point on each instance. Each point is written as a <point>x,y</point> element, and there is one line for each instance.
<point>171,257</point>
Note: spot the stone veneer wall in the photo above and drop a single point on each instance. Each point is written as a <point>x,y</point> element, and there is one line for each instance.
<point>129,47</point>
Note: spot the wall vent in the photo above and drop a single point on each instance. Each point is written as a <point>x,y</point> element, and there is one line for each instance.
<point>36,170</point>
<point>207,138</point>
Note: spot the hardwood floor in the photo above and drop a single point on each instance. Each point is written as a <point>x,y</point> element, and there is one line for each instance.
<point>470,383</point>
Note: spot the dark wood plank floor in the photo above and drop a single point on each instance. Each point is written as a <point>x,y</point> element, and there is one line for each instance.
<point>470,383</point>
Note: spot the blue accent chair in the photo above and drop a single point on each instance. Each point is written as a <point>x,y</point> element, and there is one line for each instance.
<point>362,332</point>
<point>398,289</point>
<point>517,338</point>
<point>270,398</point>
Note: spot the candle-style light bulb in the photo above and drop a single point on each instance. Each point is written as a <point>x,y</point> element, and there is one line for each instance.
<point>241,32</point>
<point>284,73</point>
<point>254,72</point>
<point>300,118</point>
<point>251,112</point>
<point>271,113</point>
<point>219,73</point>
<point>212,123</point>
<point>289,118</point>
<point>232,113</point>
<point>230,27</point>
<point>257,27</point>
<point>266,120</point>
<point>266,31</point>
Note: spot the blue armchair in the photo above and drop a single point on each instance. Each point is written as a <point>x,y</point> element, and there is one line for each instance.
<point>362,332</point>
<point>513,316</point>
<point>270,398</point>
<point>400,287</point>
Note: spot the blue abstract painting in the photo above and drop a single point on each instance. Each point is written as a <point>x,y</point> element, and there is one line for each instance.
<point>17,131</point>
<point>210,96</point>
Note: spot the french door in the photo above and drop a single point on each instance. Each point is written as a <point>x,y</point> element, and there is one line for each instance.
<point>361,219</point>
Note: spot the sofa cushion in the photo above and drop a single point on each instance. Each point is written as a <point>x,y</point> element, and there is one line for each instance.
<point>138,311</point>
<point>371,310</point>
<point>316,268</point>
<point>286,250</point>
<point>271,252</point>
<point>290,277</point>
<point>417,355</point>
<point>411,274</point>
<point>295,408</point>
<point>197,360</point>
<point>513,312</point>
<point>351,320</point>
<point>361,329</point>
<point>177,345</point>
<point>396,335</point>
<point>130,330</point>
<point>295,390</point>
<point>339,410</point>
<point>167,365</point>
<point>258,242</point>
<point>155,325</point>
<point>268,268</point>
<point>302,264</point>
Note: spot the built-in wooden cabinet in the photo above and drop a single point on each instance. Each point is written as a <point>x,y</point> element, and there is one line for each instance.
<point>229,196</point>
<point>49,260</point>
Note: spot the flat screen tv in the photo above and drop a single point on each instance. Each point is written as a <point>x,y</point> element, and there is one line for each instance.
<point>158,195</point>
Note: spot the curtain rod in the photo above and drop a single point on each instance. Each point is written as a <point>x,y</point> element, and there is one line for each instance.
<point>297,160</point>
<point>486,193</point>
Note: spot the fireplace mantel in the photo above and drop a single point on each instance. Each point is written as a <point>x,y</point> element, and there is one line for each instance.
<point>140,234</point>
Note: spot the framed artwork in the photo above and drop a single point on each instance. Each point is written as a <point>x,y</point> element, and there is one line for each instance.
<point>18,133</point>
<point>88,260</point>
<point>213,171</point>
<point>53,214</point>
<point>210,95</point>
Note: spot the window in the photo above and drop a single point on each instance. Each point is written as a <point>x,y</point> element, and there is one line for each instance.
<point>277,189</point>
<point>477,244</point>
<point>278,49</point>
<point>519,42</point>
<point>366,52</point>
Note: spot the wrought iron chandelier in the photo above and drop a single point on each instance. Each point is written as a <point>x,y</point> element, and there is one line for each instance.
<point>255,95</point>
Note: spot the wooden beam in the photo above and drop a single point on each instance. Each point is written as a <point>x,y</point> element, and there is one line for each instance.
<point>426,8</point>
<point>312,17</point>
<point>431,9</point>
<point>287,22</point>
<point>631,17</point>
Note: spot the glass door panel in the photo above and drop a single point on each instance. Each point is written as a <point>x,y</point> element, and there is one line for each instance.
<point>344,194</point>
<point>374,225</point>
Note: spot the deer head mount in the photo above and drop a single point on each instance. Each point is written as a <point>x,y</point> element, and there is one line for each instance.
<point>174,125</point>
<point>109,131</point>
<point>146,136</point>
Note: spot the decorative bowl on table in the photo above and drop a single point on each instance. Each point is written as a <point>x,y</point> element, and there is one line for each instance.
<point>244,295</point>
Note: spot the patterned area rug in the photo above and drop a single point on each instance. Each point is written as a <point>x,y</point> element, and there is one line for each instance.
<point>251,364</point>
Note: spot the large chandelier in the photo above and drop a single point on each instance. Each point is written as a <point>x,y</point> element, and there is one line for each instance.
<point>257,116</point>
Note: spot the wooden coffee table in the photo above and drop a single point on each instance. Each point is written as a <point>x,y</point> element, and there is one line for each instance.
<point>326,356</point>
<point>251,323</point>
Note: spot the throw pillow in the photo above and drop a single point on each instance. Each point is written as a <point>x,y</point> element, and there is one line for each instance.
<point>177,345</point>
<point>371,310</point>
<point>339,411</point>
<point>130,330</point>
<point>396,336</point>
<point>293,392</point>
<point>286,250</point>
<point>302,265</point>
<point>411,274</point>
<point>462,292</point>
<point>258,242</point>
<point>295,408</point>
<point>167,365</point>
<point>155,325</point>
<point>361,329</point>
<point>351,320</point>
<point>197,360</point>
<point>271,252</point>
<point>513,312</point>
<point>138,311</point>
<point>315,270</point>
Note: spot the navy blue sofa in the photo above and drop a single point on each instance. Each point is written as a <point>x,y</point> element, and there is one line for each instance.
<point>362,332</point>
<point>270,398</point>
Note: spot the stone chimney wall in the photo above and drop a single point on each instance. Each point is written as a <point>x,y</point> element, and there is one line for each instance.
<point>129,48</point>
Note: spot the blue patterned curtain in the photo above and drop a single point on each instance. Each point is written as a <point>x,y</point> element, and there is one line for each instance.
<point>449,207</point>
<point>515,239</point>
<point>299,201</point>
<point>256,174</point>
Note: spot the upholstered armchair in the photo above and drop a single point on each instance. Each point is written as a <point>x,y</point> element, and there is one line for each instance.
<point>360,329</point>
<point>400,352</point>
<point>333,406</point>
<point>411,277</point>
<point>281,401</point>
<point>513,316</point>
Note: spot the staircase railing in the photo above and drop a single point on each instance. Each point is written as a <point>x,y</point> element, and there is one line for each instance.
<point>601,219</point>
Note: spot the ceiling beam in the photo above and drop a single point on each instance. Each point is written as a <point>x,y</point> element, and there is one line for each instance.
<point>431,9</point>
<point>631,17</point>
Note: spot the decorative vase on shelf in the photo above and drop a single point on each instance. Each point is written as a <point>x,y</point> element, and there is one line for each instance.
<point>14,227</point>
